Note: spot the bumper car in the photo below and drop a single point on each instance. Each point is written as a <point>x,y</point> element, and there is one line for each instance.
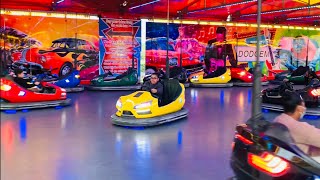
<point>271,76</point>
<point>14,97</point>
<point>28,67</point>
<point>106,82</point>
<point>266,150</point>
<point>87,74</point>
<point>221,79</point>
<point>176,72</point>
<point>297,76</point>
<point>142,109</point>
<point>34,69</point>
<point>244,78</point>
<point>69,82</point>
<point>272,97</point>
<point>270,153</point>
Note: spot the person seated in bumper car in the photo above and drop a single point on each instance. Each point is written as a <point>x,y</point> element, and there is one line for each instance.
<point>310,76</point>
<point>19,79</point>
<point>306,136</point>
<point>285,86</point>
<point>154,86</point>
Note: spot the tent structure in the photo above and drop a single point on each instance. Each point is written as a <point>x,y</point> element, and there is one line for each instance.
<point>287,12</point>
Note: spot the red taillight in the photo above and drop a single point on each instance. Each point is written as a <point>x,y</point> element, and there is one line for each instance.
<point>269,164</point>
<point>315,92</point>
<point>243,139</point>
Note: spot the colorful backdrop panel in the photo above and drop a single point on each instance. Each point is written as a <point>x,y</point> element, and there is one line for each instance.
<point>281,48</point>
<point>57,44</point>
<point>119,45</point>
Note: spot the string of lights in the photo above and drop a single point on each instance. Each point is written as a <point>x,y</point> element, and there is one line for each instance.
<point>222,6</point>
<point>283,10</point>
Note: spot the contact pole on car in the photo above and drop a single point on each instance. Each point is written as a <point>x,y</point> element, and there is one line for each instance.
<point>256,99</point>
<point>167,59</point>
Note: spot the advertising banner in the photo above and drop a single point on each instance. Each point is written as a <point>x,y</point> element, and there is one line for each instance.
<point>119,45</point>
<point>249,53</point>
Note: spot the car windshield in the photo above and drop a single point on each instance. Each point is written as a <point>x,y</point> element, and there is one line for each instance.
<point>59,45</point>
<point>71,44</point>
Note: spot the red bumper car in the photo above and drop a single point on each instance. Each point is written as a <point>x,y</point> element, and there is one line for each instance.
<point>242,77</point>
<point>15,97</point>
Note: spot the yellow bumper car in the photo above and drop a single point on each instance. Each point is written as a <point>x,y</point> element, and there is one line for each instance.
<point>142,109</point>
<point>223,80</point>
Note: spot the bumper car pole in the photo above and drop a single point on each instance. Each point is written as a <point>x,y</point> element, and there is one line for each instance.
<point>256,99</point>
<point>167,59</point>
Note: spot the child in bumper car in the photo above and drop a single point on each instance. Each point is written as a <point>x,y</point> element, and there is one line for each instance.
<point>154,86</point>
<point>19,79</point>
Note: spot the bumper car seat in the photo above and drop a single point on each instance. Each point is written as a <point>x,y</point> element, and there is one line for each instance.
<point>171,91</point>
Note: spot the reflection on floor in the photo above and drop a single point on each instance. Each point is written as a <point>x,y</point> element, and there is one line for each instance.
<point>78,142</point>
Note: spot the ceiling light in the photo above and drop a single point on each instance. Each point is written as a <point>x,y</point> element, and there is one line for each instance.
<point>141,5</point>
<point>223,6</point>
<point>283,10</point>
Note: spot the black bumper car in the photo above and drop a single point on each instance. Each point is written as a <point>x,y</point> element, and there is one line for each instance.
<point>297,77</point>
<point>270,153</point>
<point>272,97</point>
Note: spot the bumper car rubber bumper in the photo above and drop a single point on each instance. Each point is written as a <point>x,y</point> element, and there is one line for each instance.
<point>154,121</point>
<point>34,105</point>
<point>279,108</point>
<point>211,85</point>
<point>244,84</point>
<point>75,89</point>
<point>113,88</point>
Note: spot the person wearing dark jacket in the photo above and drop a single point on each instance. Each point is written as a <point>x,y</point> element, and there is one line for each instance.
<point>19,79</point>
<point>153,86</point>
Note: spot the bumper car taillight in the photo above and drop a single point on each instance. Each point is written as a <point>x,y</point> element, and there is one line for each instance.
<point>315,92</point>
<point>269,164</point>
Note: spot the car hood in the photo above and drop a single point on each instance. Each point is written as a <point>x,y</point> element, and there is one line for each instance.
<point>136,98</point>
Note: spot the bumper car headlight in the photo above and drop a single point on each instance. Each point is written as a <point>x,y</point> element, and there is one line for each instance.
<point>242,73</point>
<point>5,87</point>
<point>63,90</point>
<point>77,76</point>
<point>119,104</point>
<point>143,105</point>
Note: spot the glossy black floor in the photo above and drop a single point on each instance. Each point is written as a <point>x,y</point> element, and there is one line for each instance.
<point>79,143</point>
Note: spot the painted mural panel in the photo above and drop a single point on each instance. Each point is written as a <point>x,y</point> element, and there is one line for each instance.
<point>193,46</point>
<point>56,44</point>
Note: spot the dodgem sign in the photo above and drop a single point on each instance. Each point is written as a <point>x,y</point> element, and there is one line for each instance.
<point>246,53</point>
